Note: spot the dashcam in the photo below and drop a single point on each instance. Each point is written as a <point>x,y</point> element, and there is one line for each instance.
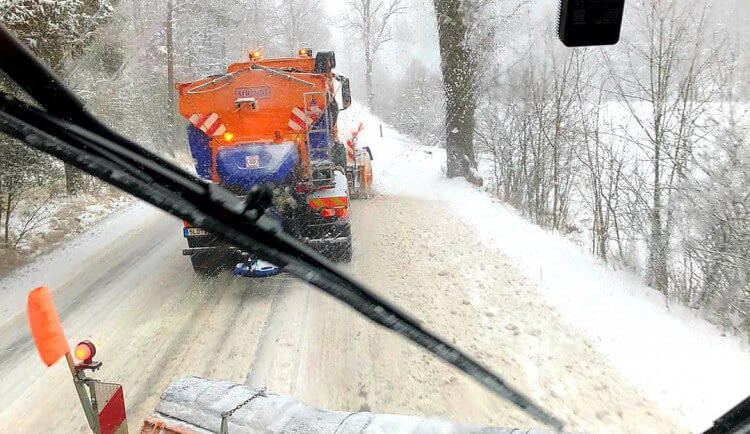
<point>590,22</point>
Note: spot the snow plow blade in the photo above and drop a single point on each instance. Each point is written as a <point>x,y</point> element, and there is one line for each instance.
<point>195,405</point>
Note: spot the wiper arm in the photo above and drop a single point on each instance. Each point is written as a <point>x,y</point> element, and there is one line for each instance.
<point>67,131</point>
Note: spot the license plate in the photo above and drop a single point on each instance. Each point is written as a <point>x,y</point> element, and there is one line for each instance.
<point>196,232</point>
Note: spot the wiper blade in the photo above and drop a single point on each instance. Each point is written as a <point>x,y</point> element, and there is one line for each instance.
<point>735,421</point>
<point>67,131</point>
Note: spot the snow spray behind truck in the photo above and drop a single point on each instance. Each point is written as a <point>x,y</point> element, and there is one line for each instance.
<point>274,122</point>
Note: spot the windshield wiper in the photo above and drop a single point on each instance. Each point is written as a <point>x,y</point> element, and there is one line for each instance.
<point>64,129</point>
<point>735,421</point>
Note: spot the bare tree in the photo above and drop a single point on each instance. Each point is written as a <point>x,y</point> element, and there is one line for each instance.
<point>413,103</point>
<point>604,169</point>
<point>555,100</point>
<point>663,92</point>
<point>171,100</point>
<point>713,210</point>
<point>531,129</point>
<point>372,20</point>
<point>22,170</point>
<point>301,22</point>
<point>32,219</point>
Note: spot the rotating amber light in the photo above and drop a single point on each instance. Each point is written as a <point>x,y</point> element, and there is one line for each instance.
<point>85,351</point>
<point>256,54</point>
<point>228,137</point>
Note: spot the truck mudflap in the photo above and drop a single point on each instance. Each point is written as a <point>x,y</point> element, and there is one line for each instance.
<point>195,405</point>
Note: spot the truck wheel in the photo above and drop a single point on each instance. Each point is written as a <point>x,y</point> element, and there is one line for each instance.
<point>338,154</point>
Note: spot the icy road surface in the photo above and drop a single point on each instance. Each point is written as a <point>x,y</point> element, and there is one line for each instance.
<point>154,322</point>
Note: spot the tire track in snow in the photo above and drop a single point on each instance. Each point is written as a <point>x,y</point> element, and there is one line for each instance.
<point>261,360</point>
<point>249,290</point>
<point>167,356</point>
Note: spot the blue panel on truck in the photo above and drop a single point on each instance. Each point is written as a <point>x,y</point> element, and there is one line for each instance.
<point>251,164</point>
<point>201,151</point>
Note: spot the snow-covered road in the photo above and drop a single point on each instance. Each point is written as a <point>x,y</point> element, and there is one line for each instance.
<point>590,344</point>
<point>154,322</point>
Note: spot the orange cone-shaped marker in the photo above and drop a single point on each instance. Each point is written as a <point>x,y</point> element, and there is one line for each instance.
<point>45,326</point>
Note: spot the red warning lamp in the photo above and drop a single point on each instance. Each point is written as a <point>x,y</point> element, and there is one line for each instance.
<point>342,212</point>
<point>85,352</point>
<point>327,212</point>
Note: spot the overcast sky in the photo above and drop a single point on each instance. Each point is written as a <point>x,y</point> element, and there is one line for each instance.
<point>415,32</point>
<point>414,36</point>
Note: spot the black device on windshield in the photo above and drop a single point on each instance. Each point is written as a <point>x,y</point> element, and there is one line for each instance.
<point>590,22</point>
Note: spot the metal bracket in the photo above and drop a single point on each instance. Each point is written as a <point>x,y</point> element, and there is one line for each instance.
<point>258,199</point>
<point>281,74</point>
<point>250,102</point>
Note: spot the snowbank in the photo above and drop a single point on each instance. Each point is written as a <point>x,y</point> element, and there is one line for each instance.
<point>679,360</point>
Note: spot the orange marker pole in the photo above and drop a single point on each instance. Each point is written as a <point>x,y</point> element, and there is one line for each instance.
<point>71,363</point>
<point>50,340</point>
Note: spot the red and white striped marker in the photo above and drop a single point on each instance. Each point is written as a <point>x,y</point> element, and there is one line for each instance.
<point>112,418</point>
<point>314,111</point>
<point>349,153</point>
<point>299,120</point>
<point>208,123</point>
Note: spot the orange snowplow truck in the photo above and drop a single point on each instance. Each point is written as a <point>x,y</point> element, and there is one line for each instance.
<point>274,121</point>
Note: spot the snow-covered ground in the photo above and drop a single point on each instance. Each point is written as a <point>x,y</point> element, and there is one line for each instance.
<point>686,364</point>
<point>52,218</point>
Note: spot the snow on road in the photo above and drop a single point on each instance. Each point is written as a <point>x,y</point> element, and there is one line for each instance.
<point>456,261</point>
<point>154,322</point>
<point>686,364</point>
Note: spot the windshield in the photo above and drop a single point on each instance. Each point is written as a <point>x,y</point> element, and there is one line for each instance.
<point>577,220</point>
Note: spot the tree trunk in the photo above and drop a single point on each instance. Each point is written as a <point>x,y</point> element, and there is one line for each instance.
<point>367,38</point>
<point>459,69</point>
<point>171,105</point>
<point>73,180</point>
<point>368,78</point>
<point>2,205</point>
<point>657,261</point>
<point>7,218</point>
